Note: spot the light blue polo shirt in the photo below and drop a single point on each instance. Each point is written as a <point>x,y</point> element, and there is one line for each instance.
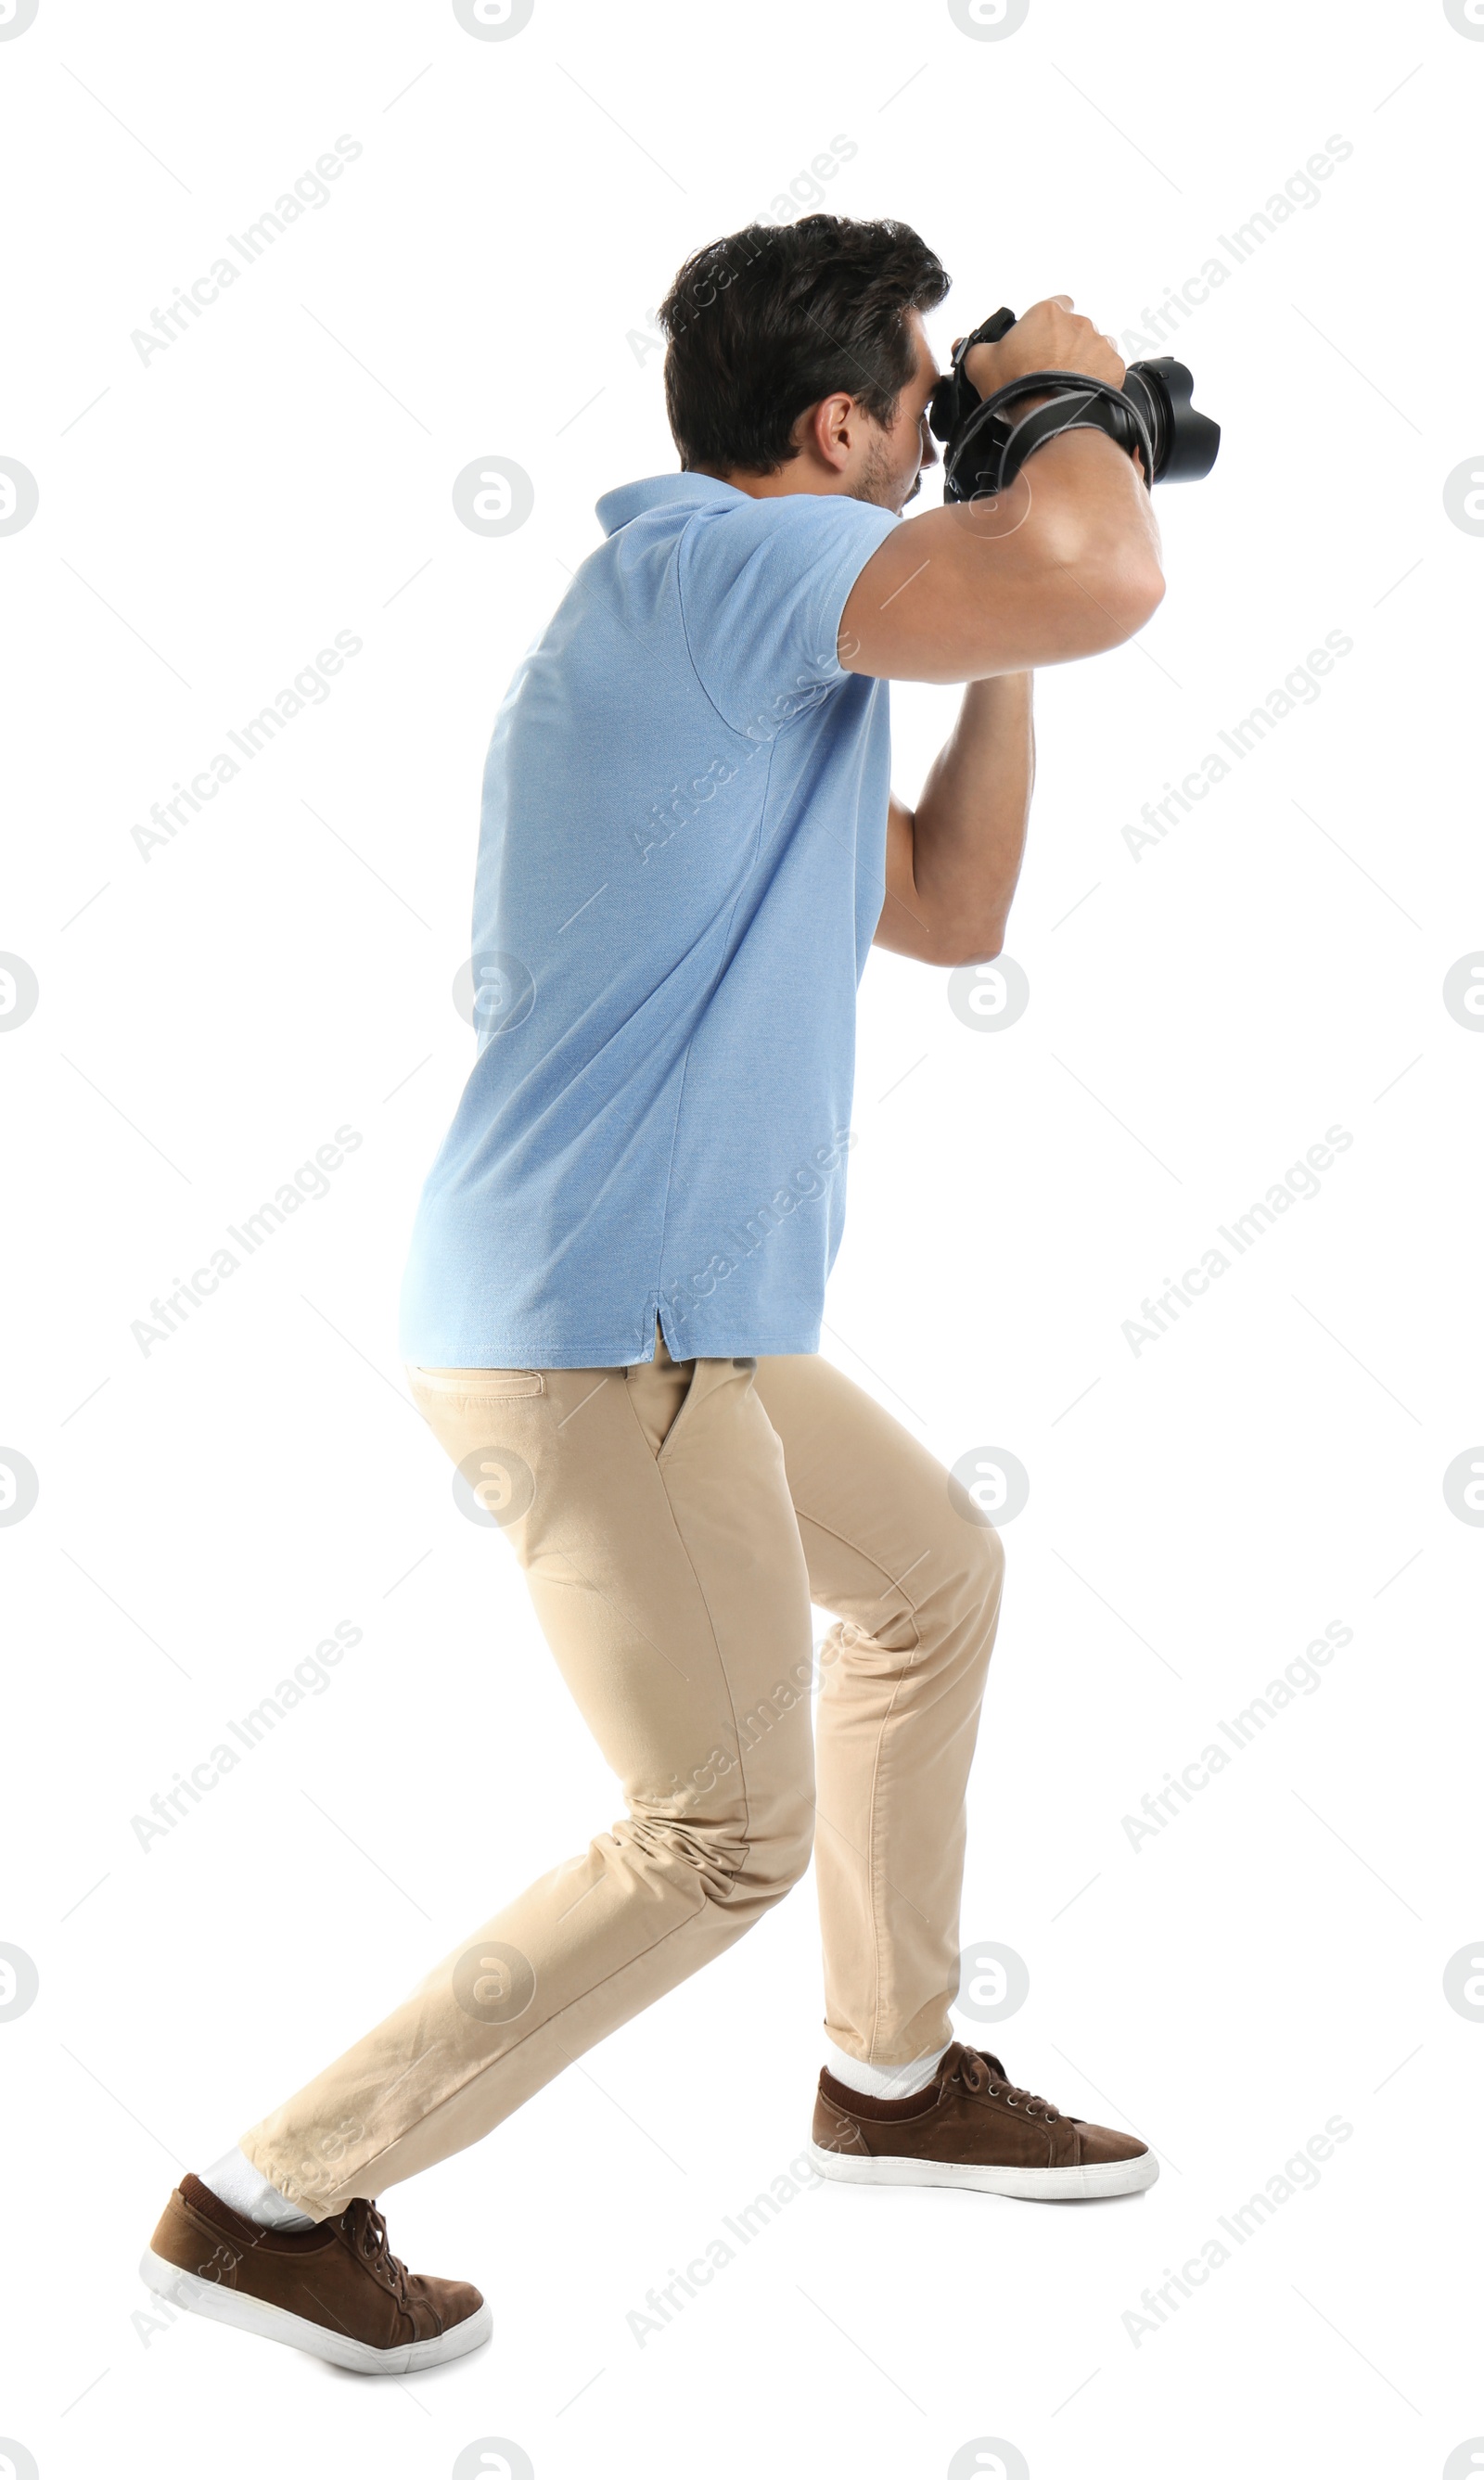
<point>681,868</point>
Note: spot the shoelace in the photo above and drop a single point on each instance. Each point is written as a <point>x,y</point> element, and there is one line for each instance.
<point>366,2231</point>
<point>979,2073</point>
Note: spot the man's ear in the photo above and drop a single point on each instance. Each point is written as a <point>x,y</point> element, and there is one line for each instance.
<point>830,424</point>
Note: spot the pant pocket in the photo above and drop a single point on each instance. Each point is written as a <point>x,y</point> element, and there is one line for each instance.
<point>658,1392</point>
<point>476,1385</point>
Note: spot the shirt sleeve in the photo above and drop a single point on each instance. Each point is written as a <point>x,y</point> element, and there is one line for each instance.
<point>763,584</point>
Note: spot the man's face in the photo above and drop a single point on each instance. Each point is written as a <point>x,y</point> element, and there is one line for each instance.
<point>891,471</point>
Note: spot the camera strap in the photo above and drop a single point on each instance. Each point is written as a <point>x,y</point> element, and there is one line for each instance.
<point>956,397</point>
<point>990,445</point>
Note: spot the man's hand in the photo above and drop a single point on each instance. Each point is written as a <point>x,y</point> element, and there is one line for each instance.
<point>1049,337</point>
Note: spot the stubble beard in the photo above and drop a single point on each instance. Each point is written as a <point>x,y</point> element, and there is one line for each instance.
<point>880,486</point>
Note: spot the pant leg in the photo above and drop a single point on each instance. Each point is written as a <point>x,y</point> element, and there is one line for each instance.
<point>651,1512</point>
<point>915,1585</point>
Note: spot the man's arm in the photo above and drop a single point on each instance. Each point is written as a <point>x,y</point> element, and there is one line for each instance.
<point>952,865</point>
<point>1062,564</point>
<point>954,596</point>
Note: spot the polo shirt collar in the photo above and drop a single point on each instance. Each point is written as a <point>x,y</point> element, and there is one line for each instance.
<point>632,500</point>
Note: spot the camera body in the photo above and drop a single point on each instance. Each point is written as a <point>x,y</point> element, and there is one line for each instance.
<point>986,441</point>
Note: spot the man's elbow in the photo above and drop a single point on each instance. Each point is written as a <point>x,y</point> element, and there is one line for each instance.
<point>969,946</point>
<point>1144,591</point>
<point>1126,591</point>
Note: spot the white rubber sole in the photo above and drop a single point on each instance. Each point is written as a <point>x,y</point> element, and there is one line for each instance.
<point>1078,2184</point>
<point>280,2325</point>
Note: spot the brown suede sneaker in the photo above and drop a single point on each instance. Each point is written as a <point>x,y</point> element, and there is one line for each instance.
<point>336,2290</point>
<point>973,2128</point>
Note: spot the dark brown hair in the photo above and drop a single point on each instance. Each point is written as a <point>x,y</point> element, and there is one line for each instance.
<point>762,324</point>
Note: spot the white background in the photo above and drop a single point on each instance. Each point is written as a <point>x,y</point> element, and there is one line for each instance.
<point>479,284</point>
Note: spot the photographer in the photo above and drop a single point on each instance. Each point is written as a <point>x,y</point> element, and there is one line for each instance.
<point>613,1307</point>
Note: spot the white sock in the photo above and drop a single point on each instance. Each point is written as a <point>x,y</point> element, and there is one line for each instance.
<point>883,2083</point>
<point>236,2181</point>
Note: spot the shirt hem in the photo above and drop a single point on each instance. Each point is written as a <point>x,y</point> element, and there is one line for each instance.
<point>604,1353</point>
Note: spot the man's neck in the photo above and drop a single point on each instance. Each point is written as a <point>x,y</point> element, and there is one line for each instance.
<point>800,473</point>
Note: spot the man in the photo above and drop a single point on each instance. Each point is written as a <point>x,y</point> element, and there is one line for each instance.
<point>614,1302</point>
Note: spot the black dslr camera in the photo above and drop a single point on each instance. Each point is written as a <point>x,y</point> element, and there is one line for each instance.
<point>986,442</point>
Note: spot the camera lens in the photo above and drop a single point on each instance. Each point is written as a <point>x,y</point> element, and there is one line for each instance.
<point>1141,382</point>
<point>1185,442</point>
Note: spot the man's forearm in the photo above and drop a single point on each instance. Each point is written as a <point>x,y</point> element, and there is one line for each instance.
<point>953,862</point>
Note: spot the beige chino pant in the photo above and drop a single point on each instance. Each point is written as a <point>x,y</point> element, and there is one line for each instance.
<point>675,1522</point>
